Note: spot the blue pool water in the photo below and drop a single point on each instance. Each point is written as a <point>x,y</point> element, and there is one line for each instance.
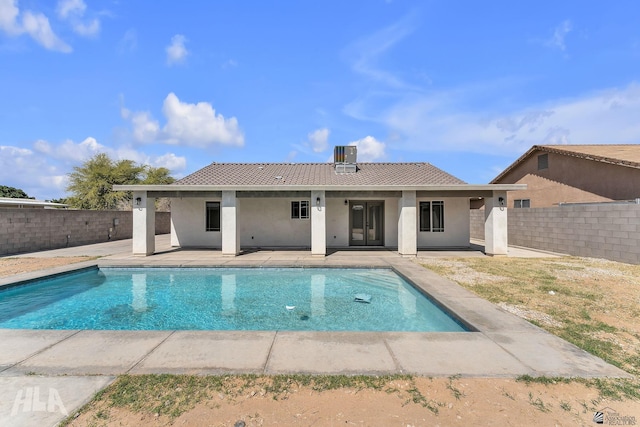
<point>294,299</point>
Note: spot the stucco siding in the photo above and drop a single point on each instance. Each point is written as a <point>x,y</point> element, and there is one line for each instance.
<point>337,223</point>
<point>188,224</point>
<point>268,222</point>
<point>456,225</point>
<point>572,180</point>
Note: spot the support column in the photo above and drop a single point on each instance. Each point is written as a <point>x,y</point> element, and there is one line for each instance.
<point>407,225</point>
<point>318,223</point>
<point>229,226</point>
<point>144,224</point>
<point>495,224</point>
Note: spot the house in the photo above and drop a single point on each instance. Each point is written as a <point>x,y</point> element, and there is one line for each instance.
<point>408,206</point>
<point>556,174</point>
<point>9,202</point>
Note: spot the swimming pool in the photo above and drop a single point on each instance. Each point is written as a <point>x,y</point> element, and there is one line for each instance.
<point>293,299</point>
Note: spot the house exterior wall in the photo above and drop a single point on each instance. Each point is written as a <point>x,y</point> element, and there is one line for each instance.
<point>610,231</point>
<point>267,222</point>
<point>456,224</point>
<point>572,180</point>
<point>188,224</point>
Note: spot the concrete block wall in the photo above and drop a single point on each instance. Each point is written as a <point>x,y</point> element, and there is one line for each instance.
<point>610,231</point>
<point>29,230</point>
<point>477,224</point>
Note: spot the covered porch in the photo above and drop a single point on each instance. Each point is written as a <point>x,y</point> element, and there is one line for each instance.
<point>328,225</point>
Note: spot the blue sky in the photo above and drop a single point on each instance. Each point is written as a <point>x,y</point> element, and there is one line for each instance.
<point>467,86</point>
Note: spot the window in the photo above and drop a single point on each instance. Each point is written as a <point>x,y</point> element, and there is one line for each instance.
<point>432,216</point>
<point>543,161</point>
<point>213,216</point>
<point>425,216</point>
<point>300,209</point>
<point>522,203</point>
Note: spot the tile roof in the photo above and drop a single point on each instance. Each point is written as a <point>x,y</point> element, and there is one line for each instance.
<point>322,174</point>
<point>618,154</point>
<point>627,154</point>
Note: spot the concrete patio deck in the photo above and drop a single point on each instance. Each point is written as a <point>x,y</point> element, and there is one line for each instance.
<point>501,345</point>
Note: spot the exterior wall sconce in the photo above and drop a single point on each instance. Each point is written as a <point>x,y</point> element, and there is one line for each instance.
<point>501,201</point>
<point>318,201</point>
<point>138,201</point>
<point>346,202</point>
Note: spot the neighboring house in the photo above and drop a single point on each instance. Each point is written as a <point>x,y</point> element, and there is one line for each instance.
<point>318,206</point>
<point>8,202</point>
<point>556,174</point>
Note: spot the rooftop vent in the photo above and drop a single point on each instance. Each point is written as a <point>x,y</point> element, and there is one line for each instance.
<point>344,158</point>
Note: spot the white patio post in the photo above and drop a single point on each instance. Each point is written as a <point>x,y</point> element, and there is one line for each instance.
<point>495,224</point>
<point>318,223</point>
<point>407,225</point>
<point>144,224</point>
<point>229,226</point>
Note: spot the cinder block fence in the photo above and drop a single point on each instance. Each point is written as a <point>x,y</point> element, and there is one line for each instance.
<point>29,230</point>
<point>608,230</point>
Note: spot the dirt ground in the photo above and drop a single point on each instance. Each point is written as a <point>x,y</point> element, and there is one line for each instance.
<point>457,402</point>
<point>416,402</point>
<point>11,266</point>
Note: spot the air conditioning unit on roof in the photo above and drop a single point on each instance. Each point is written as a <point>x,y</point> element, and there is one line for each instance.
<point>344,158</point>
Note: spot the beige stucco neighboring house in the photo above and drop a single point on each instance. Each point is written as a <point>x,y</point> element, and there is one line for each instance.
<point>235,206</point>
<point>556,174</point>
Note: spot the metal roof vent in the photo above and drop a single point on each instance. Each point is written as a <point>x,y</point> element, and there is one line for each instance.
<point>344,158</point>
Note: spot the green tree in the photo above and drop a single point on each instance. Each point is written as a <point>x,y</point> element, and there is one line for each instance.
<point>13,193</point>
<point>157,176</point>
<point>92,183</point>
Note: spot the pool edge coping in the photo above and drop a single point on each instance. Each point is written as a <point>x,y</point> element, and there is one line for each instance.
<point>489,321</point>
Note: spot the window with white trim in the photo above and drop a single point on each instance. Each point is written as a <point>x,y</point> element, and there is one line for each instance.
<point>212,222</point>
<point>432,216</point>
<point>300,209</point>
<point>522,203</point>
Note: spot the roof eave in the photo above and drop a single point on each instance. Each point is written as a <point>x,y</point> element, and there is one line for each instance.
<point>284,187</point>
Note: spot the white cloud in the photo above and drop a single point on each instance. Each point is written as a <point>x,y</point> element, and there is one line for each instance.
<point>145,127</point>
<point>9,16</point>
<point>42,171</point>
<point>231,63</point>
<point>170,161</point>
<point>559,34</point>
<point>87,30</point>
<point>73,11</point>
<point>369,149</point>
<point>440,122</point>
<point>319,139</point>
<point>67,8</point>
<point>37,26</point>
<point>198,124</point>
<point>30,171</point>
<point>366,53</point>
<point>14,23</point>
<point>176,51</point>
<point>69,151</point>
<point>195,125</point>
<point>128,42</point>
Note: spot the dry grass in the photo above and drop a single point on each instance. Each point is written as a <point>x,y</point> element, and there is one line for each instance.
<point>592,303</point>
